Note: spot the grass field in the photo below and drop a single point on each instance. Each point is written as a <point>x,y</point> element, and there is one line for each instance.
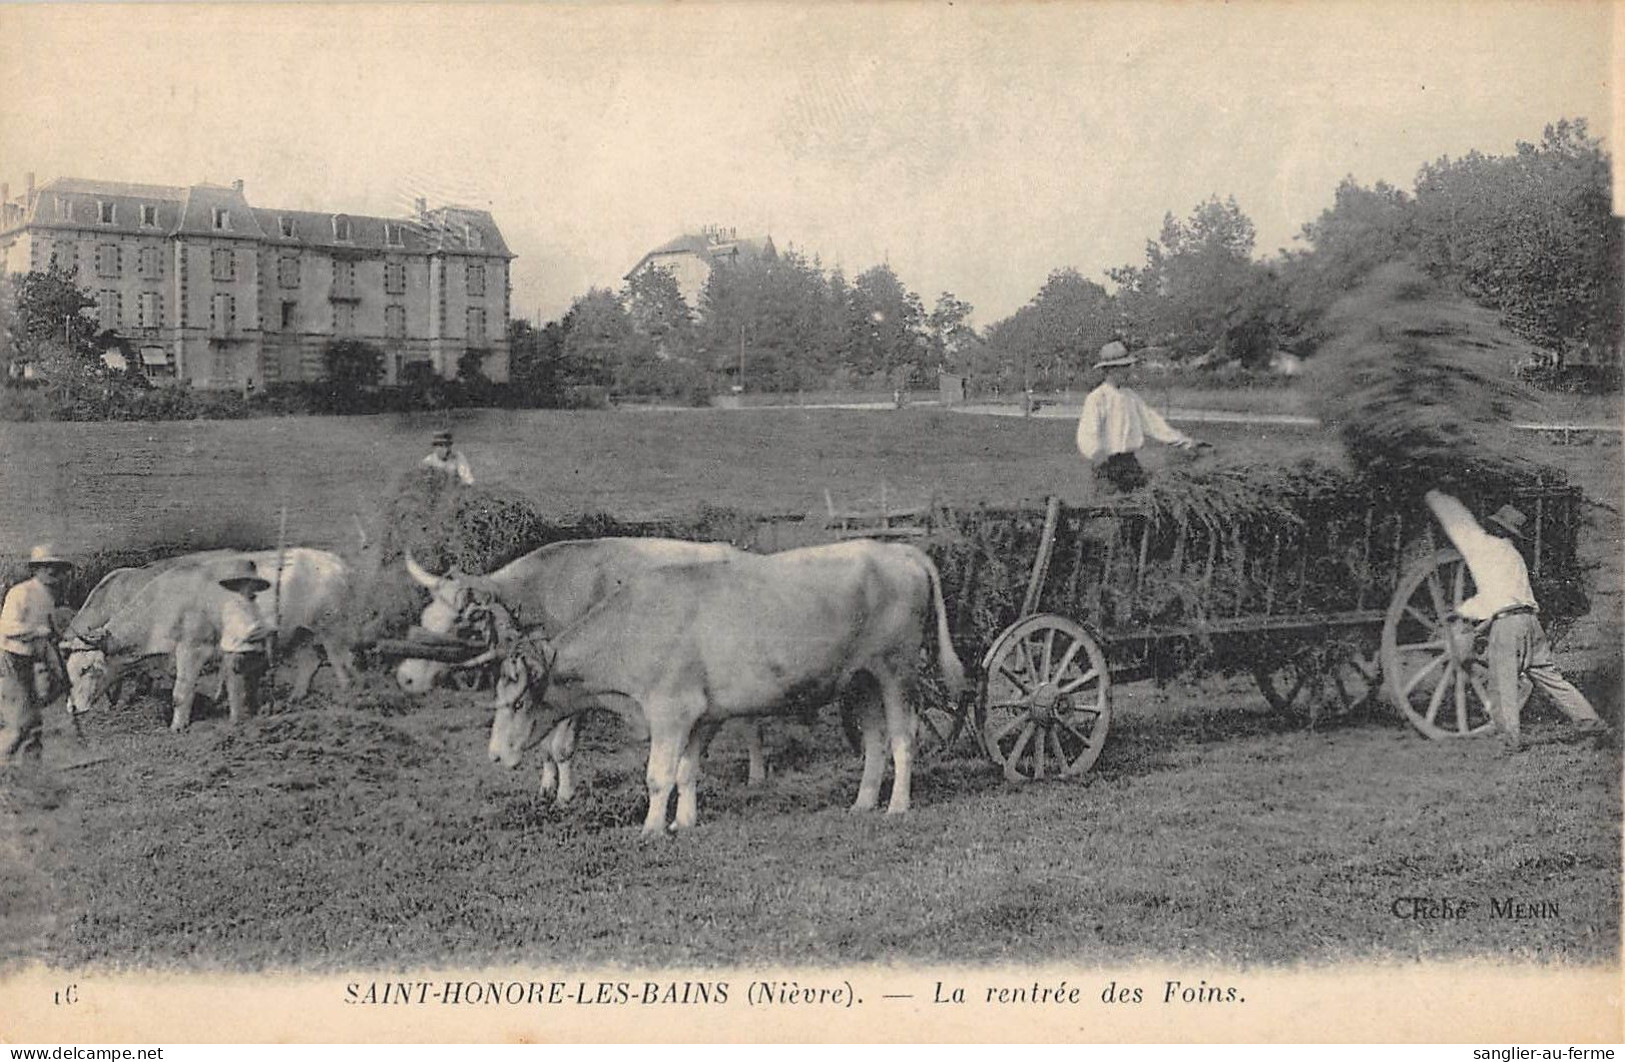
<point>371,831</point>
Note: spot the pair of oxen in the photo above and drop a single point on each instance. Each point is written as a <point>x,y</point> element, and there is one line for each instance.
<point>687,635</point>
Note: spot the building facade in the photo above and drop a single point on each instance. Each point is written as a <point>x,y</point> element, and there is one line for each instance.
<point>691,257</point>
<point>215,292</point>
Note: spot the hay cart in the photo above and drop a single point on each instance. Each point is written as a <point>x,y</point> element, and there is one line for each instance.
<point>1324,603</point>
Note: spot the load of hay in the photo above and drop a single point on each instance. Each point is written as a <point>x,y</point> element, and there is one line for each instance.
<point>1417,381</point>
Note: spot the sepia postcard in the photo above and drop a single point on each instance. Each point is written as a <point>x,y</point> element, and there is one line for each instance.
<point>1035,522</point>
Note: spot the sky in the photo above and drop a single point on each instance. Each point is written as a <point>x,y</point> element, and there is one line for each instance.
<point>974,148</point>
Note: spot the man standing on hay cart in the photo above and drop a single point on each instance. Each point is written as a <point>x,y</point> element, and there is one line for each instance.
<point>1116,421</point>
<point>1504,611</point>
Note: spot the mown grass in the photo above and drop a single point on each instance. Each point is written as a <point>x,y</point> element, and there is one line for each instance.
<point>335,837</point>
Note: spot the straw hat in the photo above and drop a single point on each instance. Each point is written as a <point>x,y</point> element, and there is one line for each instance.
<point>442,436</point>
<point>1115,355</point>
<point>1511,519</point>
<point>45,555</point>
<point>241,572</point>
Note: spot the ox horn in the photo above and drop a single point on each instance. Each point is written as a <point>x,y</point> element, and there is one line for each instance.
<point>420,576</point>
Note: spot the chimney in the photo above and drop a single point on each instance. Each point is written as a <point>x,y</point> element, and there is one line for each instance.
<point>31,184</point>
<point>237,186</point>
<point>422,205</point>
<point>5,193</point>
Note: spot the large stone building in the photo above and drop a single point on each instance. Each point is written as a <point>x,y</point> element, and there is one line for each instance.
<point>218,293</point>
<point>690,258</point>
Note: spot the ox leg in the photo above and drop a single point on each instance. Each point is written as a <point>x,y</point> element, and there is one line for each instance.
<point>753,747</point>
<point>342,658</point>
<point>666,743</point>
<point>189,661</point>
<point>900,723</point>
<point>688,774</point>
<point>874,753</point>
<point>306,660</point>
<point>556,774</point>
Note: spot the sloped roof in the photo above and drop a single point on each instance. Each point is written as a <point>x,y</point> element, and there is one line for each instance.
<point>190,211</point>
<point>82,199</point>
<point>703,246</point>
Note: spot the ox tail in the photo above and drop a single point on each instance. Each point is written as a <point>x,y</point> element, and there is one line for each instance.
<point>953,672</point>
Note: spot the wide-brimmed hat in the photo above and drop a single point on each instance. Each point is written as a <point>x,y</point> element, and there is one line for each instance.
<point>1511,519</point>
<point>1114,355</point>
<point>45,555</point>
<point>442,436</point>
<point>241,572</point>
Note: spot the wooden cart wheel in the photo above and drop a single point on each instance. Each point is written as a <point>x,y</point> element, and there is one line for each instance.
<point>1329,679</point>
<point>1431,668</point>
<point>1045,700</point>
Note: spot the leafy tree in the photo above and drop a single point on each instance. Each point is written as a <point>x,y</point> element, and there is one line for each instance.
<point>885,327</point>
<point>655,303</point>
<point>1198,288</point>
<point>598,340</point>
<point>535,363</point>
<point>48,321</point>
<point>1533,235</point>
<point>1049,342</point>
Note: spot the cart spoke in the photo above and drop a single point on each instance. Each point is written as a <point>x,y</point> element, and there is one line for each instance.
<point>1414,647</point>
<point>1075,732</point>
<point>1040,747</point>
<point>1438,694</point>
<point>1436,593</point>
<point>1015,680</point>
<point>1427,622</point>
<point>1421,672</point>
<point>1067,658</point>
<point>1049,653</point>
<point>1002,731</point>
<point>1014,759</point>
<point>1461,701</point>
<point>1080,682</point>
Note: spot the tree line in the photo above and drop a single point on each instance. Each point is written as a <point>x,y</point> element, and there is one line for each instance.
<point>1530,234</point>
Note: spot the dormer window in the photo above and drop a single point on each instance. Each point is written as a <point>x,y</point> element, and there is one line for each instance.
<point>474,238</point>
<point>106,211</point>
<point>341,227</point>
<point>287,227</point>
<point>222,219</point>
<point>392,234</point>
<point>149,215</point>
<point>64,209</point>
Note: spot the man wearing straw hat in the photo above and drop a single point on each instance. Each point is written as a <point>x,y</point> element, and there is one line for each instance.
<point>1506,604</point>
<point>27,637</point>
<point>1116,422</point>
<point>444,459</point>
<point>244,638</point>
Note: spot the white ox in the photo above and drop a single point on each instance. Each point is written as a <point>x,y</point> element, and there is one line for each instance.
<point>547,590</point>
<point>178,611</point>
<point>698,645</point>
<point>118,588</point>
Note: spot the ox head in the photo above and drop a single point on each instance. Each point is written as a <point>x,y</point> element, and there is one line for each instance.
<point>449,597</point>
<point>85,654</point>
<point>521,684</point>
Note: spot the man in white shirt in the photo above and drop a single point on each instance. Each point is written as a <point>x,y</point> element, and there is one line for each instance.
<point>1116,422</point>
<point>244,635</point>
<point>1517,644</point>
<point>26,637</point>
<point>444,459</point>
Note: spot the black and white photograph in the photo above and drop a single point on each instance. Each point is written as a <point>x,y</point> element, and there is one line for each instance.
<point>1034,522</point>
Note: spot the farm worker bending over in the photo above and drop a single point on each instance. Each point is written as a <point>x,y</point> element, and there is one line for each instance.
<point>26,636</point>
<point>1517,644</point>
<point>244,638</point>
<point>444,459</point>
<point>1116,421</point>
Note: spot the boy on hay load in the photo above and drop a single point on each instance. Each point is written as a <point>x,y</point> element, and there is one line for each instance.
<point>447,461</point>
<point>1116,422</point>
<point>27,637</point>
<point>245,638</point>
<point>1505,602</point>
